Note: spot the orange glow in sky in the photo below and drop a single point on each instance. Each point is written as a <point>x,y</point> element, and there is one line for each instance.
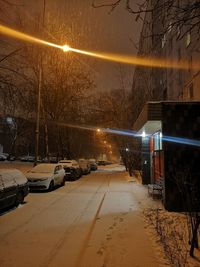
<point>126,59</point>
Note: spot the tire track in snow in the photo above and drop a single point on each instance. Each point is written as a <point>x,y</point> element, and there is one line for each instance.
<point>71,229</point>
<point>40,211</point>
<point>90,232</point>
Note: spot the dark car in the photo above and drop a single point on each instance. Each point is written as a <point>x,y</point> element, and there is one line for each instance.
<point>13,188</point>
<point>101,162</point>
<point>93,164</point>
<point>3,157</point>
<point>72,169</point>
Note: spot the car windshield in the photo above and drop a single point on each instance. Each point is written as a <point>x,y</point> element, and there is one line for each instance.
<point>43,168</point>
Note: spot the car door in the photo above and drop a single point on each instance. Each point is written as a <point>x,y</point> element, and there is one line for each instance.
<point>61,173</point>
<point>10,189</point>
<point>2,194</point>
<point>75,166</point>
<point>56,175</point>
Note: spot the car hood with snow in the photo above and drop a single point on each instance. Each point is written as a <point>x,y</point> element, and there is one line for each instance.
<point>38,175</point>
<point>41,171</point>
<point>12,177</point>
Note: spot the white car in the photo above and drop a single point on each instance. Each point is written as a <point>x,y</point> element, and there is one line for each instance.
<point>46,176</point>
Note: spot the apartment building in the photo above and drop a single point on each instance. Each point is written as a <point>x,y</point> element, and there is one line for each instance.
<point>167,99</point>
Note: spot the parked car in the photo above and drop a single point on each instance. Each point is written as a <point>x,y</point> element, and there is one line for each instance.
<point>84,165</point>
<point>72,169</point>
<point>27,158</point>
<point>46,176</point>
<point>2,157</point>
<point>93,164</point>
<point>11,158</point>
<point>101,162</point>
<point>53,159</point>
<point>13,187</point>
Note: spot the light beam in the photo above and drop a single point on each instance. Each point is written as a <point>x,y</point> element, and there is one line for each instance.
<point>126,59</point>
<point>130,133</point>
<point>23,36</point>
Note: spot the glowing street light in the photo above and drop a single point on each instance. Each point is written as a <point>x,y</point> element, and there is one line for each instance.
<point>143,134</point>
<point>66,48</point>
<point>98,130</point>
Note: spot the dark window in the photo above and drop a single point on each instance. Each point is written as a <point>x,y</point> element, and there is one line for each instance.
<point>165,94</point>
<point>191,93</point>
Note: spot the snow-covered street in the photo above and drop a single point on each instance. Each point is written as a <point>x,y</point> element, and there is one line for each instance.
<point>95,221</point>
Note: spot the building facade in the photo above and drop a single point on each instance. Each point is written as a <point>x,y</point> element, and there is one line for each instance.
<point>170,36</point>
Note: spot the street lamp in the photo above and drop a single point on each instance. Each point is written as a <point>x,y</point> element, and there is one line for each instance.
<point>37,131</point>
<point>66,48</point>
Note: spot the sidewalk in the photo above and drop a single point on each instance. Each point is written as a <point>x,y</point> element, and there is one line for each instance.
<point>166,229</point>
<point>120,236</point>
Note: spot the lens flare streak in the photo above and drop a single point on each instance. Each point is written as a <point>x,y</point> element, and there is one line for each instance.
<point>102,130</point>
<point>178,140</point>
<point>23,36</point>
<point>126,59</point>
<point>136,60</point>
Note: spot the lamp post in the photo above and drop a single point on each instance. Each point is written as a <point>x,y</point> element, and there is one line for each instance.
<point>37,131</point>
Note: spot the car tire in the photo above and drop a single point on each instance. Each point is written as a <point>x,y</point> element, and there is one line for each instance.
<point>63,182</point>
<point>51,186</point>
<point>19,198</point>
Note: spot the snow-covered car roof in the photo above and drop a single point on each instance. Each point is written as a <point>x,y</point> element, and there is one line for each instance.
<point>82,160</point>
<point>44,168</point>
<point>92,160</point>
<point>66,161</point>
<point>9,174</point>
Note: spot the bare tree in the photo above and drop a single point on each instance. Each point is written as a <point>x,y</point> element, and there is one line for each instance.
<point>113,110</point>
<point>181,15</point>
<point>65,82</point>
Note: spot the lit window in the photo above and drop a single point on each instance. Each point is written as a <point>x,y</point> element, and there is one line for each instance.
<point>157,141</point>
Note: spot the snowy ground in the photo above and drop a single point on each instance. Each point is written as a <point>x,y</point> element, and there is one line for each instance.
<point>102,220</point>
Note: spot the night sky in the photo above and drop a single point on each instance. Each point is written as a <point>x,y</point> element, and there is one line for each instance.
<point>98,31</point>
